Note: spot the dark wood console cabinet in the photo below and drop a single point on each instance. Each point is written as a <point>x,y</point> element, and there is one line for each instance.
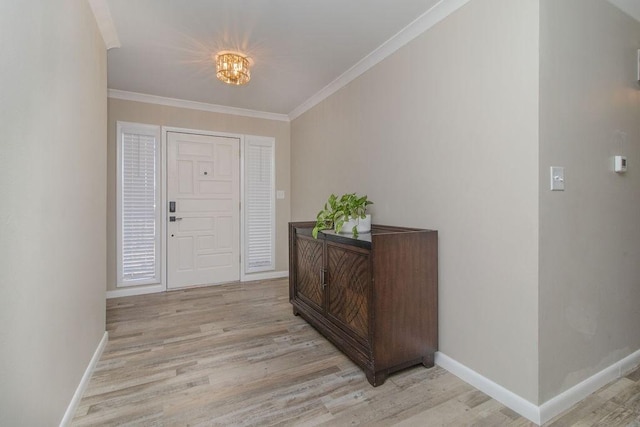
<point>375,297</point>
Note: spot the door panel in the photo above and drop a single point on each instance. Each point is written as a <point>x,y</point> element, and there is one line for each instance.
<point>203,180</point>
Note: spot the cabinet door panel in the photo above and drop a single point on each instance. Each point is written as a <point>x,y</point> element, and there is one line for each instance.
<point>308,280</point>
<point>349,288</point>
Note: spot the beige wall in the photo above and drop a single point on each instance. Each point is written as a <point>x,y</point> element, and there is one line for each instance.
<point>131,111</point>
<point>590,233</point>
<point>53,189</point>
<point>444,134</point>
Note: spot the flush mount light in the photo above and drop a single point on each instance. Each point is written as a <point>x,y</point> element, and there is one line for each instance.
<point>233,68</point>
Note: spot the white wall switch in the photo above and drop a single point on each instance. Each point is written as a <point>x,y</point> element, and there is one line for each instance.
<point>280,194</point>
<point>557,178</point>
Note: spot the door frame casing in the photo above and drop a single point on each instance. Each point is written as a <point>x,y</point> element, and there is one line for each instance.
<point>162,286</point>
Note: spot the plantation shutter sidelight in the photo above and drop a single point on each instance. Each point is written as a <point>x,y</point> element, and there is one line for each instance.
<point>259,204</point>
<point>138,205</point>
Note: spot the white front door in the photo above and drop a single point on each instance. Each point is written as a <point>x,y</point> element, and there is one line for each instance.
<point>204,229</point>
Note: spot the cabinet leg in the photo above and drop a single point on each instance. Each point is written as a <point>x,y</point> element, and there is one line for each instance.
<point>428,360</point>
<point>295,312</point>
<point>376,378</point>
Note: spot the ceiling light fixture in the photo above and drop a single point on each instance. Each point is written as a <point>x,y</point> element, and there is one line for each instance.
<point>233,68</point>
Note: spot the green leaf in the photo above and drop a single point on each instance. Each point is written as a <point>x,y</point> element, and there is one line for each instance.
<point>338,210</point>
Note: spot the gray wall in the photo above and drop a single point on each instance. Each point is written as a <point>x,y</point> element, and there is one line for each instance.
<point>443,134</point>
<point>139,112</point>
<point>590,233</point>
<point>53,113</point>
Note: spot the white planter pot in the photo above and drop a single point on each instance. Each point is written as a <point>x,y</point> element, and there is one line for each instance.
<point>364,225</point>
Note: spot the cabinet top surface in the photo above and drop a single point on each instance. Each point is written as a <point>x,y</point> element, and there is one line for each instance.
<point>363,239</point>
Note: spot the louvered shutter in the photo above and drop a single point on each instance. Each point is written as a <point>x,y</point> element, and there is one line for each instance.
<point>139,205</point>
<point>259,204</point>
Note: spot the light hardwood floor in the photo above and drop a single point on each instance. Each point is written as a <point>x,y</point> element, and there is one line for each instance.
<point>235,355</point>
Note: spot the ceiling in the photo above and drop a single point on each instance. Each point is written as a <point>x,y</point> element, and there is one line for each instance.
<point>302,50</point>
<point>298,46</point>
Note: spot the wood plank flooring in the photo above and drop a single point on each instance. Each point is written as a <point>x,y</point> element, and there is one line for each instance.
<point>235,355</point>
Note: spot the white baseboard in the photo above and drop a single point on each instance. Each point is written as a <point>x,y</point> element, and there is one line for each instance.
<point>565,400</point>
<point>153,289</point>
<point>84,382</point>
<point>551,408</point>
<point>264,276</point>
<point>135,290</point>
<point>508,398</point>
<point>629,363</point>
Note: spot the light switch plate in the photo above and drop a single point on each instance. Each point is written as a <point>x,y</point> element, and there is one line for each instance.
<point>280,194</point>
<point>557,178</point>
<point>619,164</point>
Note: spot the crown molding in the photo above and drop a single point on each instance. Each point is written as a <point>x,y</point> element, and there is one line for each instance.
<point>431,17</point>
<point>630,7</point>
<point>194,105</point>
<point>101,12</point>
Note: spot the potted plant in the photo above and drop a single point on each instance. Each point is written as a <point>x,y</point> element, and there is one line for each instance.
<point>348,212</point>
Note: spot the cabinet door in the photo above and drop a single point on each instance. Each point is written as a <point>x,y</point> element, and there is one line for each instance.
<point>349,286</point>
<point>309,271</point>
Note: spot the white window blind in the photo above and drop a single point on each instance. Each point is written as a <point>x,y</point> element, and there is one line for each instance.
<point>138,204</point>
<point>259,204</point>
